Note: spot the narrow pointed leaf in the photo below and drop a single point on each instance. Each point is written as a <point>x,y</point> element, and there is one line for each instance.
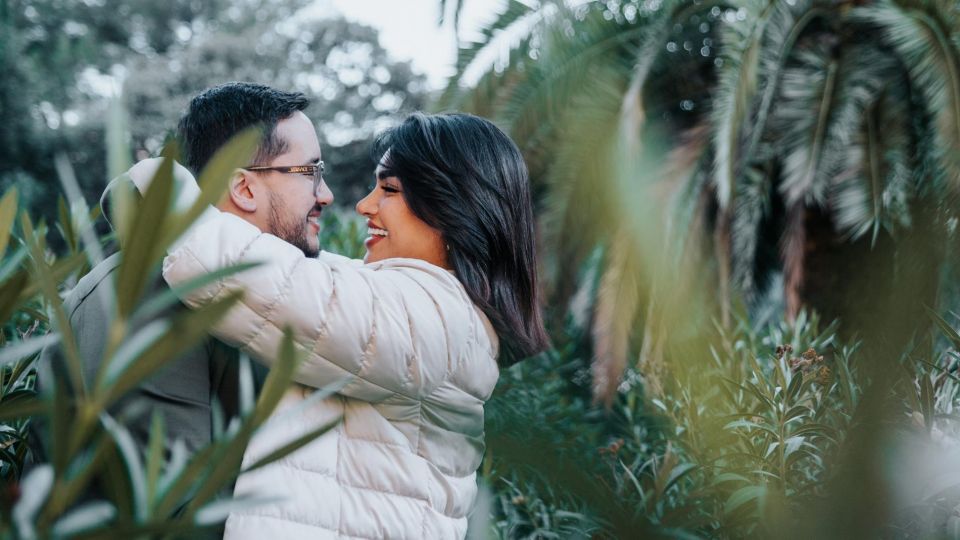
<point>8,212</point>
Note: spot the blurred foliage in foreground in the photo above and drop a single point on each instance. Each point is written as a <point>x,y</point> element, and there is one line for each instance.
<point>159,491</point>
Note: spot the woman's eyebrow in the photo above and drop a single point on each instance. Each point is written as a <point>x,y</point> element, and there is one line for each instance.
<point>384,174</point>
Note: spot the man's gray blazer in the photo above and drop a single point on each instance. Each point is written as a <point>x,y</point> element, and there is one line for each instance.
<point>182,391</point>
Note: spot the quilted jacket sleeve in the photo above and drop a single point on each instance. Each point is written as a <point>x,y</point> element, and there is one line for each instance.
<point>393,327</point>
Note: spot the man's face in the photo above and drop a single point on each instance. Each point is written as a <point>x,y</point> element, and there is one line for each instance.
<point>293,205</point>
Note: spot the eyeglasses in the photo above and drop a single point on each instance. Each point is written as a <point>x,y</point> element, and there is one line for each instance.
<point>316,171</point>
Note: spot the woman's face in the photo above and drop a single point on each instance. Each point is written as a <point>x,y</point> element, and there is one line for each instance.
<point>392,228</point>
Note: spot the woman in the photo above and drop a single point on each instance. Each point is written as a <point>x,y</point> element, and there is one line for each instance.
<point>447,288</point>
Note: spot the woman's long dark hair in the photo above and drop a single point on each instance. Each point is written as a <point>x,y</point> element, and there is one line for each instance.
<point>464,177</point>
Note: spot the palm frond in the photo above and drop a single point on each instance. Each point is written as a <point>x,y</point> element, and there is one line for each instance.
<point>751,205</point>
<point>741,42</point>
<point>806,112</point>
<point>875,187</point>
<point>456,7</point>
<point>926,35</point>
<point>514,24</point>
<point>565,63</point>
<point>788,23</point>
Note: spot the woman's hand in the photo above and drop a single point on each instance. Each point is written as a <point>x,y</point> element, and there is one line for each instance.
<point>185,188</point>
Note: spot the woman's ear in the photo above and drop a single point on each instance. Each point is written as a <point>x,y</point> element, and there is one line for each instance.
<point>241,192</point>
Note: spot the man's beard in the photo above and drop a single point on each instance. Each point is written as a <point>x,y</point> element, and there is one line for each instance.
<point>290,230</point>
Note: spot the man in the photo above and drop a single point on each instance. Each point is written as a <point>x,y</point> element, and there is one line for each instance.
<point>282,192</point>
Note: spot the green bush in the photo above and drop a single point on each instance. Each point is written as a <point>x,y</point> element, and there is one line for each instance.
<point>754,439</point>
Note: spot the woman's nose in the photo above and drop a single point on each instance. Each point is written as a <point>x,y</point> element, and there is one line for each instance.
<point>365,206</point>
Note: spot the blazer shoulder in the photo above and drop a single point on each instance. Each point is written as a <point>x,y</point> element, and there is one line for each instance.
<point>90,282</point>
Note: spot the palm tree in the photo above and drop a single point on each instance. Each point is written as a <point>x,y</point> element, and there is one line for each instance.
<point>798,145</point>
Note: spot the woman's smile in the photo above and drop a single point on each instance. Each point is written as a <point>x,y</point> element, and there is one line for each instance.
<point>374,234</point>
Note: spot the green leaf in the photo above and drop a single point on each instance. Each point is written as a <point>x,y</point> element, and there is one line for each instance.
<point>729,477</point>
<point>177,487</point>
<point>8,211</point>
<point>743,496</point>
<point>801,454</point>
<point>752,389</point>
<point>12,263</point>
<point>927,397</point>
<point>634,480</point>
<point>739,424</point>
<point>171,296</point>
<point>87,516</point>
<point>78,208</point>
<point>944,327</point>
<point>65,224</point>
<point>817,429</point>
<point>797,411</point>
<point>142,254</point>
<point>278,379</point>
<point>227,465</point>
<point>677,473</point>
<point>47,282</point>
<point>792,444</point>
<point>807,116</point>
<point>771,448</point>
<point>15,409</point>
<point>795,388</point>
<point>34,491</point>
<point>155,455</point>
<point>15,375</point>
<point>61,417</point>
<point>19,350</point>
<point>129,352</point>
<point>57,273</point>
<point>158,344</point>
<point>134,466</point>
<point>247,394</point>
<point>179,457</point>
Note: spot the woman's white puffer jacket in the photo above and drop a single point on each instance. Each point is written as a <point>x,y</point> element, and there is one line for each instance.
<point>421,362</point>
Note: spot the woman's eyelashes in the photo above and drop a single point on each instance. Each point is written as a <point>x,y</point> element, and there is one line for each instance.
<point>389,188</point>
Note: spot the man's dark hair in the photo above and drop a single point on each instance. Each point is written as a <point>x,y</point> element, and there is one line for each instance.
<point>464,177</point>
<point>219,113</point>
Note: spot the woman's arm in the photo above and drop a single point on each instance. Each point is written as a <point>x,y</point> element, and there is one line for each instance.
<point>388,325</point>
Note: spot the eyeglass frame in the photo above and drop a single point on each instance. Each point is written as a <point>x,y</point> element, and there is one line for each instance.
<point>316,171</point>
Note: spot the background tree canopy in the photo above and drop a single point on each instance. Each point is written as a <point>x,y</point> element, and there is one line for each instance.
<point>62,59</point>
